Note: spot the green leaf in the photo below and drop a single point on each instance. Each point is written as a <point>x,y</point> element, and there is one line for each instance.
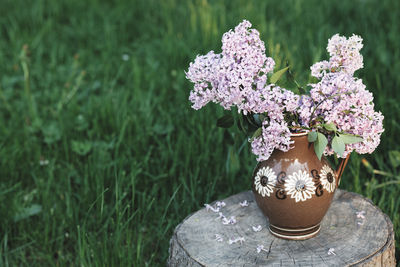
<point>277,75</point>
<point>312,137</point>
<point>257,133</point>
<point>51,133</point>
<point>249,124</point>
<point>394,157</point>
<point>81,124</point>
<point>330,127</point>
<point>81,148</point>
<point>225,121</point>
<point>28,212</point>
<point>338,145</point>
<point>320,144</point>
<point>350,139</point>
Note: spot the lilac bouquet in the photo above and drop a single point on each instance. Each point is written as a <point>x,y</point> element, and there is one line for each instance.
<point>337,111</point>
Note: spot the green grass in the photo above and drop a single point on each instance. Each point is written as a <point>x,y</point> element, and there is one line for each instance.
<point>128,158</point>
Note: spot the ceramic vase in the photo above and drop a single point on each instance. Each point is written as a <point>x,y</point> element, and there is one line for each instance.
<point>294,189</point>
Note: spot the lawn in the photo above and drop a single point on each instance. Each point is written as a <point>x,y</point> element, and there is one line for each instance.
<point>101,155</point>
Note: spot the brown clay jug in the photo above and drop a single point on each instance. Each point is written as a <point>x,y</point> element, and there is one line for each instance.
<point>294,189</point>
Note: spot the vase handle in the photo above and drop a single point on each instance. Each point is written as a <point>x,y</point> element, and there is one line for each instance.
<point>339,170</point>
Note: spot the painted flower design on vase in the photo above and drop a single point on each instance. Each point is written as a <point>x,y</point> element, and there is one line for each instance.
<point>265,181</point>
<point>328,179</point>
<point>300,186</point>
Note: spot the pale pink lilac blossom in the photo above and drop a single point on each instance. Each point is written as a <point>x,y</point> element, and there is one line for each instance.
<point>275,135</point>
<point>219,238</point>
<point>231,220</point>
<point>344,56</point>
<point>209,207</point>
<point>360,214</point>
<point>261,248</point>
<point>231,77</point>
<point>236,240</point>
<point>221,215</point>
<point>216,208</point>
<point>360,217</point>
<point>331,251</point>
<point>220,204</point>
<point>244,203</point>
<point>257,228</point>
<point>341,98</point>
<point>238,77</point>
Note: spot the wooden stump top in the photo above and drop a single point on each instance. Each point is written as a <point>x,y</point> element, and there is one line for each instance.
<point>353,232</point>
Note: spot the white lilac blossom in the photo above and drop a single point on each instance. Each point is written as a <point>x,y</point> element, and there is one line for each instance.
<point>244,203</point>
<point>328,179</point>
<point>257,228</point>
<point>300,186</point>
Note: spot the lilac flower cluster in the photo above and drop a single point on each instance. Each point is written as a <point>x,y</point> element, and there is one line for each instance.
<point>230,78</point>
<point>237,77</point>
<point>341,98</point>
<point>344,56</point>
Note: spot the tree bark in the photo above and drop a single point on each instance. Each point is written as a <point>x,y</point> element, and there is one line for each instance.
<point>345,239</point>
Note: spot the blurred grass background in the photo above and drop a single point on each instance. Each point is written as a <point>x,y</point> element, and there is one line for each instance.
<point>101,155</point>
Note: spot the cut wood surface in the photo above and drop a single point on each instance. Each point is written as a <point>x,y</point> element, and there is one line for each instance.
<point>353,232</point>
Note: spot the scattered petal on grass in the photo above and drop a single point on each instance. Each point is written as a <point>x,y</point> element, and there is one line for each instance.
<point>331,251</point>
<point>244,203</point>
<point>360,223</point>
<point>218,238</point>
<point>236,240</point>
<point>257,228</point>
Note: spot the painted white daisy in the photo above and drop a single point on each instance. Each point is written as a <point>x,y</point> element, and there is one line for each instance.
<point>328,179</point>
<point>265,181</point>
<point>300,186</point>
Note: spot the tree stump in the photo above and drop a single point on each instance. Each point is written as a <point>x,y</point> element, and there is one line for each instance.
<point>353,232</point>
